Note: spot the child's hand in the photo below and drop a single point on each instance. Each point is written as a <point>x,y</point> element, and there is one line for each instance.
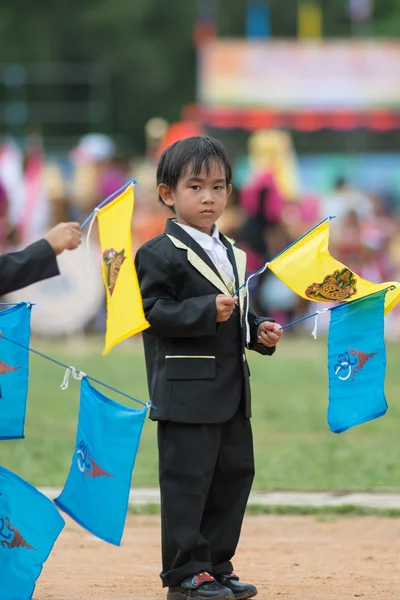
<point>225,307</point>
<point>269,333</point>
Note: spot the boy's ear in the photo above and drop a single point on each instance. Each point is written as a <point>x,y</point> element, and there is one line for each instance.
<point>165,193</point>
<point>228,191</point>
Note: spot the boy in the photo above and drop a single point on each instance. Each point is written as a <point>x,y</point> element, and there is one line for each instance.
<point>198,375</point>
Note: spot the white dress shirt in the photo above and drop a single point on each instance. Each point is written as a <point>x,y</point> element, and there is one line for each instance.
<point>214,248</point>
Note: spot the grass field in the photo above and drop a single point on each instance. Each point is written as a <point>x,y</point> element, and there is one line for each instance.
<point>293,445</point>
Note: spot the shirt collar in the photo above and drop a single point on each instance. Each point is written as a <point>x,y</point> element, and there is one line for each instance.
<point>203,239</point>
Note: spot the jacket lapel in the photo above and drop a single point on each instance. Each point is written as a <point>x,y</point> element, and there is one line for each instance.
<point>197,257</point>
<point>238,259</point>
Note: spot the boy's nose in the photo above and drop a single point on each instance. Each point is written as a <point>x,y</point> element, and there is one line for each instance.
<point>207,197</point>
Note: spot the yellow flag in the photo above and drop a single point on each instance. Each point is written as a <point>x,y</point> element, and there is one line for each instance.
<point>311,272</point>
<point>125,315</point>
<point>309,20</point>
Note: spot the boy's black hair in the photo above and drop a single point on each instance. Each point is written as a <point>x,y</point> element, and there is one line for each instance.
<point>194,153</point>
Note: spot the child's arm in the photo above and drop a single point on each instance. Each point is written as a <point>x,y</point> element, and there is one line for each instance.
<point>168,317</point>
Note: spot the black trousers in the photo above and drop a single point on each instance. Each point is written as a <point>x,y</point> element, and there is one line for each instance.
<point>206,473</point>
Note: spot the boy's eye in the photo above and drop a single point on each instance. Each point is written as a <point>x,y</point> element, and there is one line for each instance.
<point>195,187</point>
<point>219,187</point>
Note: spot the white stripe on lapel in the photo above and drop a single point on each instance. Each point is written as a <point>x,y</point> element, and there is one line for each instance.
<point>240,259</point>
<point>199,264</point>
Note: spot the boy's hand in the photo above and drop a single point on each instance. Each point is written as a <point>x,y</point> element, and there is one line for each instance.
<point>269,334</point>
<point>64,236</point>
<point>225,307</point>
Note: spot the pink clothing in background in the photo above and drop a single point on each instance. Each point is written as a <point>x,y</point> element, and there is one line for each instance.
<point>112,179</point>
<point>250,197</point>
<point>3,219</point>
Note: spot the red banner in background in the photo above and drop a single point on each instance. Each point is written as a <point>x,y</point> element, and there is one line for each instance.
<point>252,119</point>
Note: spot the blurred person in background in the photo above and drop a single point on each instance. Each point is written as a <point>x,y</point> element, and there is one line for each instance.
<point>275,298</point>
<point>35,214</point>
<point>97,173</point>
<point>5,225</point>
<point>348,247</point>
<point>261,235</point>
<point>12,183</point>
<point>344,198</point>
<point>233,216</point>
<point>149,217</point>
<point>360,237</point>
<point>272,182</point>
<point>57,191</point>
<point>25,209</point>
<point>272,151</point>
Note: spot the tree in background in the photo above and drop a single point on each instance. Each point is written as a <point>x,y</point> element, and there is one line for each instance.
<point>145,45</point>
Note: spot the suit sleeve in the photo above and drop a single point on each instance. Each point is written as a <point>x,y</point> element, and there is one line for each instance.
<point>193,317</point>
<point>34,263</point>
<point>254,323</point>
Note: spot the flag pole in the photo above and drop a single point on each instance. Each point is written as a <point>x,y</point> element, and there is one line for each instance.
<point>121,189</point>
<point>280,253</point>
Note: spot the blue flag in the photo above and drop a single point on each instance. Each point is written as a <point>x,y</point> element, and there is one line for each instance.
<point>356,362</point>
<point>15,324</point>
<point>96,493</point>
<point>29,527</point>
<point>258,20</point>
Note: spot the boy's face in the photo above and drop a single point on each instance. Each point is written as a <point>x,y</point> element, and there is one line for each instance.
<point>198,201</point>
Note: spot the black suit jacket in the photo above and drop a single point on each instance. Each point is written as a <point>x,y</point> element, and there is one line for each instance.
<point>34,263</point>
<point>196,368</point>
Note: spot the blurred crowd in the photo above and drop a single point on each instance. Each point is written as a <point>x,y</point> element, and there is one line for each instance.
<point>37,191</point>
<point>271,210</point>
<point>267,210</point>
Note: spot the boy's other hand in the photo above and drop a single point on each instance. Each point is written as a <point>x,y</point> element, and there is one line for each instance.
<point>269,333</point>
<point>64,236</point>
<point>225,307</point>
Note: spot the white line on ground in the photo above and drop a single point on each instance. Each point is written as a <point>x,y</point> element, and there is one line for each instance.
<point>143,496</point>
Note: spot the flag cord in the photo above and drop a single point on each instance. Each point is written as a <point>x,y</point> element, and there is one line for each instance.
<point>314,331</point>
<point>110,197</point>
<point>316,314</point>
<point>246,318</point>
<point>79,374</point>
<point>246,283</point>
<point>89,233</point>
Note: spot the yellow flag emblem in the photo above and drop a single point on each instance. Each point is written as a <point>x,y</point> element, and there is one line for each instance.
<point>112,262</point>
<point>308,268</point>
<point>125,316</point>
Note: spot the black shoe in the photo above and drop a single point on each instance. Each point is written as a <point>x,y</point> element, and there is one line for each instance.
<point>241,591</point>
<point>202,585</point>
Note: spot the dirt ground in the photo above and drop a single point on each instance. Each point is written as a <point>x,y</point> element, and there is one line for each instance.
<point>286,557</point>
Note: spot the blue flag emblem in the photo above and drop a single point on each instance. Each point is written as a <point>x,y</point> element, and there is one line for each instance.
<point>356,363</point>
<point>15,324</point>
<point>29,527</point>
<point>97,489</point>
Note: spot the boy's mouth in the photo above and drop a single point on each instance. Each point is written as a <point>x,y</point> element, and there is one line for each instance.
<point>208,211</point>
